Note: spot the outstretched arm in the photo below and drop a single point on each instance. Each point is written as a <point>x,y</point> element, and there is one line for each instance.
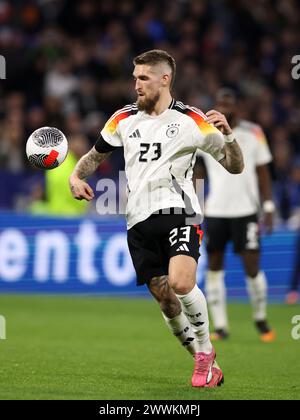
<point>233,160</point>
<point>85,167</point>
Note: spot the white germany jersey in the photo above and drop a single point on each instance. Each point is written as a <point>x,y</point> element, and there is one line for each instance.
<point>238,195</point>
<point>158,149</point>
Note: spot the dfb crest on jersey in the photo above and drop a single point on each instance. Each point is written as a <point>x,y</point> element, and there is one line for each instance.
<point>172,130</point>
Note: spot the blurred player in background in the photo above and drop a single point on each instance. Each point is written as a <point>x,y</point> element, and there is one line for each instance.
<point>232,214</point>
<point>160,137</point>
<point>293,295</point>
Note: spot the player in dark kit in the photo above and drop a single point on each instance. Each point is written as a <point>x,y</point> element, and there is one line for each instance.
<point>160,137</point>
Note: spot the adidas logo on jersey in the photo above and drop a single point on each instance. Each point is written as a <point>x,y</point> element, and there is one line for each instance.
<point>183,247</point>
<point>135,134</point>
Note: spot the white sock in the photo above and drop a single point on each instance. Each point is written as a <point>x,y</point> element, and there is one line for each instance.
<point>195,309</point>
<point>257,289</point>
<point>216,298</point>
<point>182,329</point>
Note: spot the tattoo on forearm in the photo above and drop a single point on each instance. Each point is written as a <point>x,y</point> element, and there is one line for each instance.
<point>234,157</point>
<point>87,165</point>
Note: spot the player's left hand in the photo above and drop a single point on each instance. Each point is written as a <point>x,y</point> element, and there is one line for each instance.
<point>218,120</point>
<point>268,222</point>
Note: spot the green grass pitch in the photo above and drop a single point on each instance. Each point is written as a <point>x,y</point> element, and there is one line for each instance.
<point>114,349</point>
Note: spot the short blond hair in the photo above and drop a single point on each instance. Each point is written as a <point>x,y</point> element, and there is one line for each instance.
<point>157,57</point>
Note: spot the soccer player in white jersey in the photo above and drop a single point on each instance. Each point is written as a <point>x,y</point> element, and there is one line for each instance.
<point>232,214</point>
<point>160,137</point>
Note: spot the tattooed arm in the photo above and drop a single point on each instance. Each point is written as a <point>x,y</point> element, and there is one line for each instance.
<point>233,160</point>
<point>85,167</point>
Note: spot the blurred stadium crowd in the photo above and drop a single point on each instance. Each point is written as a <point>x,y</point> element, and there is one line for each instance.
<point>69,65</point>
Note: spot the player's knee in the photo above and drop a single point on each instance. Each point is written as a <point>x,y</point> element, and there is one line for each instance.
<point>215,261</point>
<point>182,282</point>
<point>251,263</point>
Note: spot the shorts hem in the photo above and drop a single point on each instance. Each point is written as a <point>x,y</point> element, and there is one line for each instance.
<point>187,254</point>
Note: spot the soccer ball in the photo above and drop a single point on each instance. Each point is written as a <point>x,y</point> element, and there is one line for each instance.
<point>46,148</point>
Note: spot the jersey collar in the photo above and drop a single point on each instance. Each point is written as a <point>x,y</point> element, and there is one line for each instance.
<point>172,104</point>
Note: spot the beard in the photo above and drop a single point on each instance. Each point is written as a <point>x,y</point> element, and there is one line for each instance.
<point>147,104</point>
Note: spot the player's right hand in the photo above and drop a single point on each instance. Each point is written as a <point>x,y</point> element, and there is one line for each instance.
<point>80,189</point>
<point>219,120</point>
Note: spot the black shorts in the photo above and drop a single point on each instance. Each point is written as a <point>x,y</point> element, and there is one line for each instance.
<point>242,231</point>
<point>155,240</point>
